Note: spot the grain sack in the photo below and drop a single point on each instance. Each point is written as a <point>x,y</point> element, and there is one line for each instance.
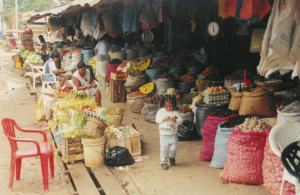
<point>136,104</point>
<point>101,68</point>
<point>161,85</point>
<point>149,112</point>
<point>221,147</point>
<point>244,159</point>
<point>258,101</point>
<point>235,101</point>
<point>136,82</point>
<point>210,128</point>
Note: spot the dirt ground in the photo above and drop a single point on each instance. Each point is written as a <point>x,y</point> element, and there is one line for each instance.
<point>189,176</point>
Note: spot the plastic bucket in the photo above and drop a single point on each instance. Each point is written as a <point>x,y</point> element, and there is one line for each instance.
<point>18,64</point>
<point>93,151</point>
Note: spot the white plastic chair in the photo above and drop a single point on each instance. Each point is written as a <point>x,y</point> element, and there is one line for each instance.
<point>283,135</point>
<point>40,74</point>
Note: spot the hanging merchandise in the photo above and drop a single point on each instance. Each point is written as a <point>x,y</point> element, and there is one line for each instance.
<point>129,20</point>
<point>62,21</point>
<point>78,22</point>
<point>230,8</point>
<point>111,22</point>
<point>93,19</point>
<point>52,27</point>
<point>149,13</point>
<point>222,9</point>
<point>69,21</point>
<point>54,22</point>
<point>193,22</point>
<point>86,24</point>
<point>252,7</point>
<point>160,18</point>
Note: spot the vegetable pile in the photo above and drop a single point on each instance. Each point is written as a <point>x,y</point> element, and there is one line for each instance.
<point>222,113</point>
<point>233,121</point>
<point>184,108</point>
<point>186,78</point>
<point>166,75</point>
<point>64,91</point>
<point>80,109</point>
<point>253,125</point>
<point>164,61</point>
<point>33,59</point>
<point>203,85</point>
<point>154,100</point>
<point>238,75</point>
<point>155,65</point>
<point>206,71</point>
<point>135,94</point>
<point>137,73</point>
<point>177,62</point>
<point>117,72</point>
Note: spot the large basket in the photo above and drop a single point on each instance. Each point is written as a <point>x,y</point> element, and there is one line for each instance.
<point>94,127</point>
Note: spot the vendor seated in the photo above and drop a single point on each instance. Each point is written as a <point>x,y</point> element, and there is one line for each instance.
<point>84,83</point>
<point>50,68</point>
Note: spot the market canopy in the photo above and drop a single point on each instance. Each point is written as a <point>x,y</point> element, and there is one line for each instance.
<point>74,7</point>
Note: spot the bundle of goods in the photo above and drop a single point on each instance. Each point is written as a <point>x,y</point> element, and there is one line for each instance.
<point>112,65</point>
<point>273,171</point>
<point>210,128</point>
<point>187,131</point>
<point>185,82</point>
<point>283,96</point>
<point>216,95</point>
<point>186,112</point>
<point>150,108</point>
<point>221,141</point>
<point>177,67</point>
<point>274,85</point>
<point>194,67</point>
<point>289,111</point>
<point>235,102</point>
<point>136,101</point>
<point>135,79</point>
<point>202,86</point>
<point>236,77</point>
<point>259,101</point>
<point>246,152</point>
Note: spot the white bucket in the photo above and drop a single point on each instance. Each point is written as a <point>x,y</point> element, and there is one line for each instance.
<point>93,151</point>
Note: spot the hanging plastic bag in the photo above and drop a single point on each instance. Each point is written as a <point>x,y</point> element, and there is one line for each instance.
<point>39,110</point>
<point>187,131</point>
<point>118,156</point>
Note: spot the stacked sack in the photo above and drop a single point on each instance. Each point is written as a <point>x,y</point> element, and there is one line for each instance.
<point>246,153</point>
<point>76,58</point>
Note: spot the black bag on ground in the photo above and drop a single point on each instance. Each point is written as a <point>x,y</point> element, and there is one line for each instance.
<point>202,111</point>
<point>187,131</point>
<point>118,156</point>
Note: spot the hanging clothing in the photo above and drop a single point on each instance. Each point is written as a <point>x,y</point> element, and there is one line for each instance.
<point>86,24</point>
<point>222,9</point>
<point>252,7</point>
<point>129,20</point>
<point>151,26</point>
<point>111,20</point>
<point>230,8</point>
<point>52,27</point>
<point>62,21</point>
<point>149,13</point>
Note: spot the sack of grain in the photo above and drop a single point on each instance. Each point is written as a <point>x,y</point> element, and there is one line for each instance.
<point>149,112</point>
<point>136,82</point>
<point>136,104</point>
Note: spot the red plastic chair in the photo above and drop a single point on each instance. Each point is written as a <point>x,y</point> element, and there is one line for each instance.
<point>44,151</point>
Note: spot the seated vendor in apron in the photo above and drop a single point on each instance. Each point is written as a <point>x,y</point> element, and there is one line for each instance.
<point>50,68</point>
<point>84,83</point>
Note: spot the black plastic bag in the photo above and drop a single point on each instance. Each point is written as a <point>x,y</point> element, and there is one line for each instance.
<point>118,156</point>
<point>187,131</point>
<point>202,111</point>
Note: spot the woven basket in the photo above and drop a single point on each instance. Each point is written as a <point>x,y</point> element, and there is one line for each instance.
<point>94,127</point>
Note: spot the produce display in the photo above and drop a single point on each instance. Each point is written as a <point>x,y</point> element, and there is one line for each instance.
<point>115,61</point>
<point>293,107</point>
<point>253,124</point>
<point>154,100</point>
<point>80,109</point>
<point>206,72</point>
<point>271,121</point>
<point>76,52</point>
<point>117,72</point>
<point>142,65</point>
<point>137,73</point>
<point>216,95</point>
<point>222,113</point>
<point>155,65</point>
<point>184,108</point>
<point>166,75</point>
<point>203,85</point>
<point>178,62</point>
<point>173,91</point>
<point>148,88</point>
<point>233,121</point>
<point>64,91</point>
<point>165,61</point>
<point>135,94</point>
<point>34,59</point>
<point>238,75</point>
<point>186,78</point>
